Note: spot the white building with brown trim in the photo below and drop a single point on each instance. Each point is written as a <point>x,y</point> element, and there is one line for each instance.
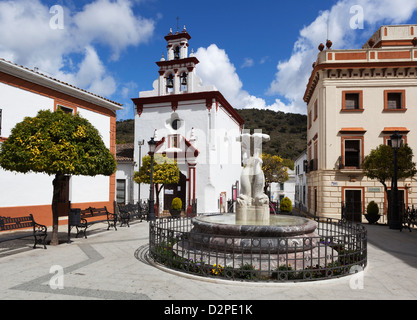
<point>193,124</point>
<point>23,93</point>
<point>356,99</point>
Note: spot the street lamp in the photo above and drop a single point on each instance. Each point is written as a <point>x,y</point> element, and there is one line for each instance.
<point>395,214</point>
<point>151,213</point>
<point>140,143</point>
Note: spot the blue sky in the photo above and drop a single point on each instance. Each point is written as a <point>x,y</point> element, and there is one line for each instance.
<point>257,53</point>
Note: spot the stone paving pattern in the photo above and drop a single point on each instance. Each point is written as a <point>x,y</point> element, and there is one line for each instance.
<point>113,265</point>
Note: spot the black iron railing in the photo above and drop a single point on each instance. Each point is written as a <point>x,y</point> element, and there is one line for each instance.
<point>340,245</point>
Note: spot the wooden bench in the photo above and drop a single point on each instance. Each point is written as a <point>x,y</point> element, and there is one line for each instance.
<point>39,231</point>
<point>82,219</point>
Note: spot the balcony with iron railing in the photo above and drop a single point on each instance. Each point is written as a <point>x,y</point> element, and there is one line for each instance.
<point>349,165</point>
<point>312,165</point>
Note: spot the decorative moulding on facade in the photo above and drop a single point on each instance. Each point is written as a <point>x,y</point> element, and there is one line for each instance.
<point>363,66</point>
<point>358,130</point>
<point>207,96</point>
<point>401,130</point>
<point>178,36</point>
<point>186,62</point>
<point>40,79</point>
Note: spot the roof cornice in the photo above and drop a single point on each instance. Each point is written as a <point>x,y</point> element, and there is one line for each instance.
<point>57,85</point>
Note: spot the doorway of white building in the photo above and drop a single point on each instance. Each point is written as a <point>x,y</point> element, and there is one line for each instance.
<point>175,191</point>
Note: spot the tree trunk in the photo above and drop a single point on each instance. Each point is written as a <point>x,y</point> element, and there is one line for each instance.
<point>57,183</point>
<point>388,201</point>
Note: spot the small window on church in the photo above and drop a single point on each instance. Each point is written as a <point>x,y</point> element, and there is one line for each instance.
<point>177,53</point>
<point>174,141</point>
<point>176,124</point>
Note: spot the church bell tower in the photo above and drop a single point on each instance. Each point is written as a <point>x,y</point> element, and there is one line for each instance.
<point>176,72</point>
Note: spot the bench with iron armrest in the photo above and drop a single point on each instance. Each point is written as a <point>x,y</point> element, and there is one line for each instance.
<point>39,231</point>
<point>82,219</point>
<point>409,218</point>
<point>126,213</point>
<point>129,211</point>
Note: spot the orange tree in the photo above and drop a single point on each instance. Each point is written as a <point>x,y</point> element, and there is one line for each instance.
<point>275,169</point>
<point>165,171</point>
<point>59,144</point>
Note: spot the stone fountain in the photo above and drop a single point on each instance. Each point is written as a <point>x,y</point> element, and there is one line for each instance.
<point>275,239</point>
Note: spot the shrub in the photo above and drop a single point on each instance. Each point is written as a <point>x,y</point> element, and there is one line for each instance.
<point>372,208</point>
<point>286,205</point>
<point>176,204</point>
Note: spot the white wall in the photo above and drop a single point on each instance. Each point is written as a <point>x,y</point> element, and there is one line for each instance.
<point>92,189</point>
<point>18,104</point>
<point>17,189</point>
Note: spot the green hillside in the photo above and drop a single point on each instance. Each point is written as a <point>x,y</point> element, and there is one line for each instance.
<point>125,131</point>
<point>288,131</point>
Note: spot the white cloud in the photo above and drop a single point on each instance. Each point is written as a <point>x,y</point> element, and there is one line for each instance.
<point>28,39</point>
<point>216,69</point>
<point>248,63</point>
<point>293,74</point>
<point>113,24</point>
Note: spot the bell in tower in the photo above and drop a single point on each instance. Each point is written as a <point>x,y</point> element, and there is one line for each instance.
<point>177,53</point>
<point>170,83</point>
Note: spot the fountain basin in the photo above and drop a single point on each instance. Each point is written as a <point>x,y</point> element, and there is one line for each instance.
<point>278,226</point>
<point>283,234</point>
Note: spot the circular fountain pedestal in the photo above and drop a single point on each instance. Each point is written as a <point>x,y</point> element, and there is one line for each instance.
<point>284,240</point>
<point>280,234</point>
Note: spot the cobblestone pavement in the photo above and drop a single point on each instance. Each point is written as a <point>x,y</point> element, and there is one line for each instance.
<point>113,265</point>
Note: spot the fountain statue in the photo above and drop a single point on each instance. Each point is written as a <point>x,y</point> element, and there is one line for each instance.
<point>252,203</point>
<point>252,230</point>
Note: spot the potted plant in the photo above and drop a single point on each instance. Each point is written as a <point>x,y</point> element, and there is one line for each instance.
<point>176,207</point>
<point>285,205</point>
<point>372,212</point>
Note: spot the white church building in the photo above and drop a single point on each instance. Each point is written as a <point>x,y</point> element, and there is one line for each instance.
<point>193,124</point>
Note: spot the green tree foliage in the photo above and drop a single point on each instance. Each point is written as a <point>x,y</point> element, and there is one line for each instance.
<point>288,131</point>
<point>125,131</point>
<point>379,164</point>
<point>274,169</point>
<point>165,171</point>
<point>372,208</point>
<point>176,204</point>
<point>285,205</point>
<point>57,144</point>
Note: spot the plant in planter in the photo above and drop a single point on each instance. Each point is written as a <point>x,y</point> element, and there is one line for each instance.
<point>286,205</point>
<point>176,207</point>
<point>372,212</point>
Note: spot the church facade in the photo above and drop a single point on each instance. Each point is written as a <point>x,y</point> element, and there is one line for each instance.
<point>193,124</point>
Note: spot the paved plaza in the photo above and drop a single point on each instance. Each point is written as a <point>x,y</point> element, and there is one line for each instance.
<point>113,265</point>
